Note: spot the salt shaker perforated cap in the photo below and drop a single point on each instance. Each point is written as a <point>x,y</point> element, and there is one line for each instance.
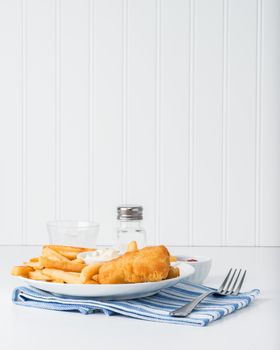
<point>128,212</point>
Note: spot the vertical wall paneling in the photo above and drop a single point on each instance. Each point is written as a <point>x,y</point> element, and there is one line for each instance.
<point>174,122</point>
<point>207,195</point>
<point>39,119</point>
<point>124,98</point>
<point>74,108</point>
<point>158,117</point>
<point>57,112</point>
<point>108,114</point>
<point>91,101</point>
<point>10,121</point>
<point>191,115</point>
<point>241,123</point>
<point>225,108</point>
<point>170,104</point>
<point>23,120</point>
<point>270,125</point>
<point>141,109</point>
<point>258,120</point>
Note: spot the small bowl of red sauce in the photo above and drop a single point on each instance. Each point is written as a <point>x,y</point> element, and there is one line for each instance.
<point>201,264</point>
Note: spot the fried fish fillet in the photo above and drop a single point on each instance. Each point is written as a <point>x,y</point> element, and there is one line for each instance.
<point>149,264</point>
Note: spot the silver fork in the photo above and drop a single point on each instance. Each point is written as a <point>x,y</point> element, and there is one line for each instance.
<point>228,287</point>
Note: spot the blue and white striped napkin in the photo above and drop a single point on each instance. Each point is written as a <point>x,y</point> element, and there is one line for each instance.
<point>152,308</point>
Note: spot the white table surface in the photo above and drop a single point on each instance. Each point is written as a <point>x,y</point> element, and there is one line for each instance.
<point>256,327</point>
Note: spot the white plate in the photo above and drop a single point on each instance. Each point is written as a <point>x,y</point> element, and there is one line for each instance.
<point>112,291</point>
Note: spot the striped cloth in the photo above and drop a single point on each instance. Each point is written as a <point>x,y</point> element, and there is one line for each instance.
<point>152,308</point>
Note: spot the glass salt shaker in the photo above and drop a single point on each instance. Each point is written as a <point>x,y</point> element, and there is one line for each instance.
<point>130,226</point>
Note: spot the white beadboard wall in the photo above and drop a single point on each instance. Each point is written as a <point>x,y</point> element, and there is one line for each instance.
<point>172,104</point>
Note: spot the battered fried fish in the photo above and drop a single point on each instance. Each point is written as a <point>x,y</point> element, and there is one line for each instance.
<point>149,264</point>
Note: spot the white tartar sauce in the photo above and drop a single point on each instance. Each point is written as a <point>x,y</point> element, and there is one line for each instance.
<point>99,255</point>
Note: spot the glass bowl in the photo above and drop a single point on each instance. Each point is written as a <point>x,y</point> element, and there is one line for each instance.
<point>73,233</point>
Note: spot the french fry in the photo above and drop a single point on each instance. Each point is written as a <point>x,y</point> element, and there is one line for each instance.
<point>71,255</point>
<point>68,277</point>
<point>89,271</point>
<point>69,251</point>
<point>69,266</point>
<point>81,261</point>
<point>22,271</point>
<point>91,282</point>
<point>172,258</point>
<point>96,278</point>
<point>57,281</point>
<point>54,255</point>
<point>35,265</point>
<point>39,276</point>
<point>66,248</point>
<point>132,246</point>
<point>34,259</point>
<point>173,272</point>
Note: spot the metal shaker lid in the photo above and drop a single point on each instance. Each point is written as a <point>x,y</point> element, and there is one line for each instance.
<point>128,212</point>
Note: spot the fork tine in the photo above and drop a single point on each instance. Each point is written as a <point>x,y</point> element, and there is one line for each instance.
<point>227,288</point>
<point>237,290</point>
<point>224,282</point>
<point>234,284</point>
